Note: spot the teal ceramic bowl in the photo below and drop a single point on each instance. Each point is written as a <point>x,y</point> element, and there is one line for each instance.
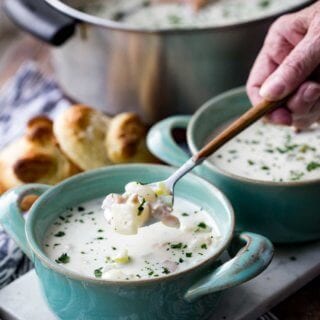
<point>191,294</point>
<point>284,212</point>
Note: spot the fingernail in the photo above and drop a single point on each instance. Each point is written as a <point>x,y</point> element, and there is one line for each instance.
<point>273,89</point>
<point>311,94</point>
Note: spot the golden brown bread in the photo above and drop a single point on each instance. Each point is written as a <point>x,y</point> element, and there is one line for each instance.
<point>36,157</point>
<point>27,202</point>
<point>81,132</point>
<point>126,140</point>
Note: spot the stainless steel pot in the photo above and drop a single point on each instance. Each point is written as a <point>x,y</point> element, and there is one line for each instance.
<point>155,73</point>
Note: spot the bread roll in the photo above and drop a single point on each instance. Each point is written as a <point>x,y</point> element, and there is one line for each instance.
<point>81,132</point>
<point>34,158</point>
<point>126,140</point>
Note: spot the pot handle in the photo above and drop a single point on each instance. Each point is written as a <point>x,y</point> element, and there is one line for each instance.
<point>254,254</point>
<point>11,216</point>
<point>41,20</point>
<point>161,143</point>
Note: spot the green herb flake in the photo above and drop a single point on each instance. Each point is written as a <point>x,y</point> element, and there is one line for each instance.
<point>60,234</point>
<point>250,162</point>
<point>176,245</point>
<point>184,214</point>
<point>313,166</point>
<point>202,225</point>
<point>174,19</point>
<point>100,230</point>
<point>181,260</point>
<point>165,270</point>
<point>141,206</point>
<point>264,3</point>
<point>204,246</point>
<point>98,273</point>
<point>189,254</point>
<point>64,258</point>
<point>266,168</point>
<point>81,208</point>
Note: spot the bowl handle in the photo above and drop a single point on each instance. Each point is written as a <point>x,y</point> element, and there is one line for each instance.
<point>253,256</point>
<point>11,216</point>
<point>161,143</point>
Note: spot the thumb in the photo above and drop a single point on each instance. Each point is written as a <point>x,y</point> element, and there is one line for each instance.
<point>294,70</point>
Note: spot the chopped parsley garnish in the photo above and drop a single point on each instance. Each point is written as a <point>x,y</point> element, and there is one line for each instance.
<point>165,270</point>
<point>202,225</point>
<point>62,218</point>
<point>81,208</point>
<point>296,175</point>
<point>114,248</point>
<point>176,245</point>
<point>181,260</point>
<point>141,206</point>
<point>173,19</point>
<point>91,212</point>
<point>60,234</point>
<point>189,254</point>
<point>81,221</point>
<point>98,273</point>
<point>185,214</point>
<point>100,230</point>
<point>313,166</point>
<point>150,273</point>
<point>100,238</point>
<point>64,258</point>
<point>264,3</point>
<point>251,163</point>
<point>287,148</point>
<point>265,168</point>
<point>204,246</point>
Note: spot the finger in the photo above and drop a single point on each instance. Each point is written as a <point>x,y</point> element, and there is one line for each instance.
<point>304,99</point>
<point>296,67</point>
<point>281,116</point>
<point>306,120</point>
<point>262,68</point>
<point>303,123</point>
<point>284,34</point>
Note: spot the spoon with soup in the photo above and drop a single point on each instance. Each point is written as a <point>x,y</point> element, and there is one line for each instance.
<point>141,204</point>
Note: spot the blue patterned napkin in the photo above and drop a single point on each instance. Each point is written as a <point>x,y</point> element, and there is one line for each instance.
<point>27,94</point>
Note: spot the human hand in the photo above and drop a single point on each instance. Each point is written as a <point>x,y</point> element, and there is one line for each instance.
<point>289,62</point>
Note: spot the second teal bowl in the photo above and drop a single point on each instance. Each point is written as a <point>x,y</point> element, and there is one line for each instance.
<point>284,212</point>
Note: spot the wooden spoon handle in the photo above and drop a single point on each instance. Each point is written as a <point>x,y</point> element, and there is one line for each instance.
<point>252,115</point>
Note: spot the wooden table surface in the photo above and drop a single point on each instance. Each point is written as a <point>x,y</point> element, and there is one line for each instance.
<point>304,305</point>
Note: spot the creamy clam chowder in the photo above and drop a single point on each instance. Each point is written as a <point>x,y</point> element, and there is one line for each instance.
<point>82,240</point>
<point>269,152</point>
<point>176,14</point>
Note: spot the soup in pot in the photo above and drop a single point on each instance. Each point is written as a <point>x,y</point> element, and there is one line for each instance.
<point>269,152</point>
<point>166,14</point>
